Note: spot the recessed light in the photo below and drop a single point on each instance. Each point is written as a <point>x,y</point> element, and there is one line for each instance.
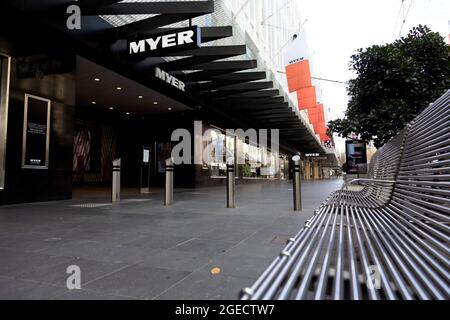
<point>119,88</point>
<point>156,102</point>
<point>111,108</point>
<point>127,113</point>
<point>97,79</point>
<point>93,102</point>
<point>169,108</point>
<point>140,97</point>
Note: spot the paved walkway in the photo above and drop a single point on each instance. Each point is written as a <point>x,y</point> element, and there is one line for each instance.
<point>139,249</point>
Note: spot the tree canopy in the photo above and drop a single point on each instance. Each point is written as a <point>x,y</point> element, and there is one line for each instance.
<point>394,83</point>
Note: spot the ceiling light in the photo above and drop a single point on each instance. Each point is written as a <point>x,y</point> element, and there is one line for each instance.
<point>97,79</point>
<point>169,108</point>
<point>156,102</point>
<point>127,113</point>
<point>111,108</point>
<point>119,88</point>
<point>140,97</point>
<point>93,102</point>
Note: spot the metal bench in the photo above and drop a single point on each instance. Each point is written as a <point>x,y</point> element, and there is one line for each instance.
<point>397,247</point>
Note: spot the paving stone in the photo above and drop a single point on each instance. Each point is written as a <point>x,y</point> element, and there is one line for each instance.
<point>142,249</point>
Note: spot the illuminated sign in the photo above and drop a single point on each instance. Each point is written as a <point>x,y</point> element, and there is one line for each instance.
<point>180,40</point>
<point>166,77</point>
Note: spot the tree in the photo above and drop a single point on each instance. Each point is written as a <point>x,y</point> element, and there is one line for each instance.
<point>394,83</point>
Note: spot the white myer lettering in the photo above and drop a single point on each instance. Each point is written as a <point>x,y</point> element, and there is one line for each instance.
<point>164,76</point>
<point>169,40</point>
<point>186,37</point>
<point>153,43</point>
<point>181,38</point>
<point>136,47</point>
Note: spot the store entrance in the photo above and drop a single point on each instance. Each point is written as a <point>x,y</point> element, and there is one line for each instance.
<point>118,118</point>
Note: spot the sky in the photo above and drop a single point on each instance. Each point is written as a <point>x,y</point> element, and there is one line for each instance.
<point>337,28</point>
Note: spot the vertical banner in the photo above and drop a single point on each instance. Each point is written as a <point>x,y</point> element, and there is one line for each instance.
<point>356,154</point>
<point>145,170</point>
<point>297,65</point>
<point>36,132</point>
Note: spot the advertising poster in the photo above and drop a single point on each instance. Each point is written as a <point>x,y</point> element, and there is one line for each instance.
<point>356,154</point>
<point>36,130</point>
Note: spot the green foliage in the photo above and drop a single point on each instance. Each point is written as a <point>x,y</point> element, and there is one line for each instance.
<point>394,83</point>
<point>247,171</point>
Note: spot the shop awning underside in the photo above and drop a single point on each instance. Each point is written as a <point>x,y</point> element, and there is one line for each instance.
<point>218,77</point>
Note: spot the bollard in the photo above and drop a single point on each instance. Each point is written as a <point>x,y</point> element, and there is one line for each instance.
<point>230,186</point>
<point>297,184</point>
<point>168,191</point>
<point>115,191</point>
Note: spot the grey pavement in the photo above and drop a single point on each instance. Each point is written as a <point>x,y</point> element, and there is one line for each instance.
<point>139,249</point>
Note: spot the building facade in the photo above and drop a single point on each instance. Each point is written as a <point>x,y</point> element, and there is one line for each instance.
<point>74,99</point>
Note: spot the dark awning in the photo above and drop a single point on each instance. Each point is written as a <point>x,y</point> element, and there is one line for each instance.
<point>216,76</point>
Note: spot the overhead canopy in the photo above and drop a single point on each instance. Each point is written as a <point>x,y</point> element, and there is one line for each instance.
<point>216,76</point>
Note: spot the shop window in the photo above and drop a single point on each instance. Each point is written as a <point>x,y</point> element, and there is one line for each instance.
<point>217,149</point>
<point>87,153</point>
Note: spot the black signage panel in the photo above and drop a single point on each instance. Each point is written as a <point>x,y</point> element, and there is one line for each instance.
<point>356,154</point>
<point>170,41</point>
<point>36,133</point>
<point>145,170</point>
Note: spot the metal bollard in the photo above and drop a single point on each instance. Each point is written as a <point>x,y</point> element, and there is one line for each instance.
<point>230,186</point>
<point>168,192</point>
<point>115,191</point>
<point>297,184</point>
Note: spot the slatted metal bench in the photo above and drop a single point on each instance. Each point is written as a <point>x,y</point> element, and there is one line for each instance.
<point>392,246</point>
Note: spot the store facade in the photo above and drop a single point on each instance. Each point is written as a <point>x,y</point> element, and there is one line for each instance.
<point>71,102</point>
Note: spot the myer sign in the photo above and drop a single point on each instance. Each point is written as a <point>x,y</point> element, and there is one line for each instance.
<point>178,40</point>
<point>166,77</point>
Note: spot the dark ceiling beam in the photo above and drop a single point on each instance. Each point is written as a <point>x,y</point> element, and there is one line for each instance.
<point>277,121</point>
<point>163,7</point>
<point>255,101</point>
<point>279,126</point>
<point>89,4</point>
<point>191,63</point>
<point>207,33</point>
<point>238,76</point>
<point>259,94</point>
<point>200,57</point>
<point>232,65</point>
<point>278,110</point>
<point>275,116</point>
<point>218,83</point>
<point>216,68</point>
<point>211,51</point>
<point>202,75</point>
<point>290,133</point>
<point>257,85</point>
<point>259,107</point>
<point>144,25</point>
<point>238,89</point>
